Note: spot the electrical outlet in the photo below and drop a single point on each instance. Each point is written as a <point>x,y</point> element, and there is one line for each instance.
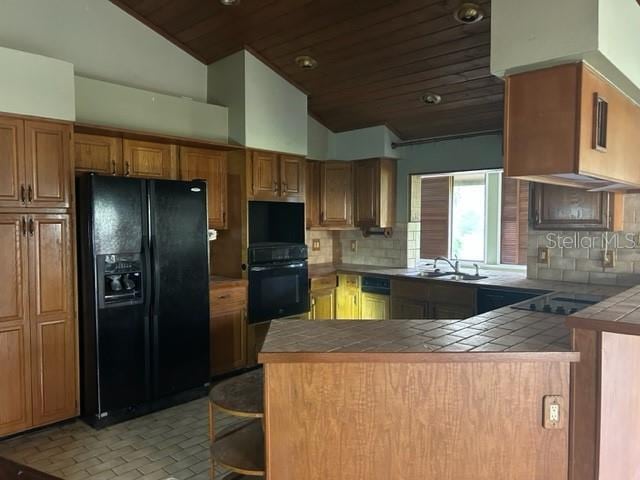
<point>543,255</point>
<point>315,245</point>
<point>354,246</point>
<point>608,259</point>
<point>554,412</point>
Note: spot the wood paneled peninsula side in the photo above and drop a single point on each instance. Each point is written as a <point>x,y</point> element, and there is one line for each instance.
<point>419,399</point>
<point>605,389</point>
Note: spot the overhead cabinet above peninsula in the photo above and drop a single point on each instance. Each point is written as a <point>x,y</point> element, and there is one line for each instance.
<point>569,126</point>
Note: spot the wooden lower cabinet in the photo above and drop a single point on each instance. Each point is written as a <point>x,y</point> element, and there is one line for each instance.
<point>38,370</point>
<point>375,306</point>
<point>323,304</point>
<point>445,311</point>
<point>409,309</point>
<point>228,328</point>
<point>423,299</point>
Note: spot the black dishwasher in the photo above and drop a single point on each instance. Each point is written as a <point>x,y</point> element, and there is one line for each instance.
<point>494,298</point>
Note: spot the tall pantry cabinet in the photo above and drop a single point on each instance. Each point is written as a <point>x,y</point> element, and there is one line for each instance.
<point>37,299</point>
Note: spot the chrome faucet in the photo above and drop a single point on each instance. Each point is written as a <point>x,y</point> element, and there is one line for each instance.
<point>456,266</point>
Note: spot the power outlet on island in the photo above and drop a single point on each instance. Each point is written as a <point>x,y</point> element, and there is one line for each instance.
<point>315,245</point>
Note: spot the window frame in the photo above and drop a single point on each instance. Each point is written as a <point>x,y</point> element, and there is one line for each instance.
<point>492,248</point>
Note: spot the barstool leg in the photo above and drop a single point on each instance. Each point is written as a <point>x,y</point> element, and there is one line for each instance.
<point>212,435</point>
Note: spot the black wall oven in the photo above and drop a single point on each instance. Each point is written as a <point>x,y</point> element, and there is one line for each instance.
<point>278,281</point>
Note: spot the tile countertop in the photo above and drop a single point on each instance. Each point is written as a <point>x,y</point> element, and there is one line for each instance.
<point>495,278</point>
<point>617,314</point>
<point>500,331</point>
<point>491,336</point>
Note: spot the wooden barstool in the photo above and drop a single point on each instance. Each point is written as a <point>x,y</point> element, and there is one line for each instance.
<point>240,447</point>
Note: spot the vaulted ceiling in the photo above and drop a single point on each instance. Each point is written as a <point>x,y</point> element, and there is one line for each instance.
<point>376,58</point>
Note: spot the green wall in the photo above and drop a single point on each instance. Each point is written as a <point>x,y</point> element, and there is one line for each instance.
<point>477,153</point>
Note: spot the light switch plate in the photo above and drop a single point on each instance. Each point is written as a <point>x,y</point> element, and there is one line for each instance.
<point>354,246</point>
<point>543,255</point>
<point>608,259</point>
<point>315,245</point>
<point>554,412</point>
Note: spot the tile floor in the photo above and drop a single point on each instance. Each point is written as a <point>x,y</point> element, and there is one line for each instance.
<point>172,443</point>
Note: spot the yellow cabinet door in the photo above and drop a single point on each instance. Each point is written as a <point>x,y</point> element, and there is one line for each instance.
<point>348,304</point>
<point>375,307</point>
<point>323,305</point>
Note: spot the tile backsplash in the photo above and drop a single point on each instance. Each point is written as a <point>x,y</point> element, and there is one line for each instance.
<point>578,256</point>
<point>402,249</point>
<point>327,240</point>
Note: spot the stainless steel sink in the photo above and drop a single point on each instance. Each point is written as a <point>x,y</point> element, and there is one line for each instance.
<point>463,276</point>
<point>434,274</point>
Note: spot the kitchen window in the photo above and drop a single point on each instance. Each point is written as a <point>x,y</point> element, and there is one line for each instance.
<point>476,217</point>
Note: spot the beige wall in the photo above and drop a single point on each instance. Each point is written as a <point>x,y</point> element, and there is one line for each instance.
<point>104,103</point>
<point>35,85</point>
<point>604,33</point>
<point>102,42</point>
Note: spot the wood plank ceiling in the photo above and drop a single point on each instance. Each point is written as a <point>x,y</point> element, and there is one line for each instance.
<point>376,58</point>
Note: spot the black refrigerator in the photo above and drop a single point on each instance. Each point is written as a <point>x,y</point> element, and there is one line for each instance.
<point>144,295</point>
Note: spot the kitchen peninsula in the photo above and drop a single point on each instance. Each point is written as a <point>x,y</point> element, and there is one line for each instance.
<point>508,392</point>
<point>421,399</point>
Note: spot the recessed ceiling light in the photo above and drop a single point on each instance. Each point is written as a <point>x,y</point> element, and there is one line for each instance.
<point>306,62</point>
<point>431,98</point>
<point>229,3</point>
<point>469,13</point>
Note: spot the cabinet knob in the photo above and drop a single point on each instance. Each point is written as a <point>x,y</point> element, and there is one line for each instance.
<point>275,186</point>
<point>23,194</point>
<point>24,226</point>
<point>30,196</point>
<point>113,166</point>
<point>31,227</point>
<point>126,168</point>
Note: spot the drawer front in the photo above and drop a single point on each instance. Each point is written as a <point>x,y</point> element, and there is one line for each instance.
<point>404,288</point>
<point>452,295</point>
<point>349,281</point>
<point>228,297</point>
<point>323,283</point>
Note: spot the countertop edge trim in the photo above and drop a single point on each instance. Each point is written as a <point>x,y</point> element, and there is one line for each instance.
<point>416,357</point>
<point>603,325</point>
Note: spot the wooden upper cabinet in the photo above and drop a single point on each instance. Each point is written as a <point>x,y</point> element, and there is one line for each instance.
<point>569,120</point>
<point>48,164</point>
<point>149,159</point>
<point>12,182</point>
<point>53,365</point>
<point>265,178</point>
<point>555,207</point>
<point>209,165</point>
<point>292,176</point>
<point>15,373</point>
<point>312,193</point>
<point>375,192</point>
<point>336,194</point>
<point>98,153</point>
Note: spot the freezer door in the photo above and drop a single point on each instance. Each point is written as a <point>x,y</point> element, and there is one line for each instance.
<point>180,307</point>
<point>114,336</point>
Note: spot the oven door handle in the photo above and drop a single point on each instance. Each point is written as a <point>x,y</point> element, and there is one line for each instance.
<point>277,267</point>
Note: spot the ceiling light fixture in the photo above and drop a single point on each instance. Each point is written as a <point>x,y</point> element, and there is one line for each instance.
<point>306,62</point>
<point>468,13</point>
<point>431,98</point>
<point>229,3</point>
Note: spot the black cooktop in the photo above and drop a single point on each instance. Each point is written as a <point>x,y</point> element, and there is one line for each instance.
<point>560,303</point>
